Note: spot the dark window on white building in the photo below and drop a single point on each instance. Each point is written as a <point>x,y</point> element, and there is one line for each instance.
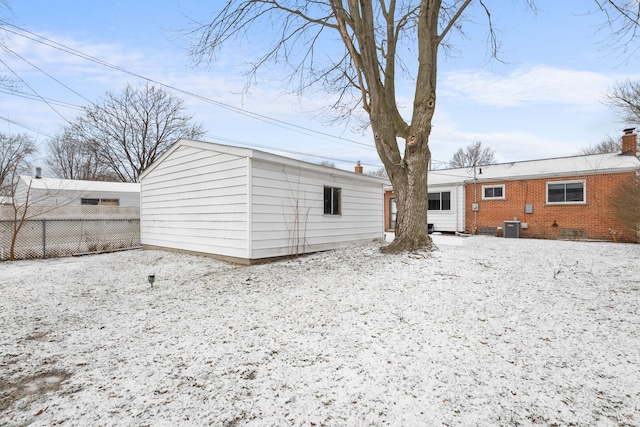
<point>332,202</point>
<point>440,201</point>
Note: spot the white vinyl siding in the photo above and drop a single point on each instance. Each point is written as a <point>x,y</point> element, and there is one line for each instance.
<point>196,200</point>
<point>450,220</point>
<point>240,203</point>
<point>288,211</point>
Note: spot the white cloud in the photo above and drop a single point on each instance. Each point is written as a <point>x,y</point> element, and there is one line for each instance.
<point>538,84</point>
<point>508,145</point>
<point>91,80</point>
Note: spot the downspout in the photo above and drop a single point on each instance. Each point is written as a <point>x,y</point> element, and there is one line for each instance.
<point>459,195</point>
<point>475,201</point>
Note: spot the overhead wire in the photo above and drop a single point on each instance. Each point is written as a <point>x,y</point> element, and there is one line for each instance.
<point>22,125</point>
<point>277,122</point>
<point>20,94</point>
<point>34,91</point>
<point>55,45</point>
<point>47,74</point>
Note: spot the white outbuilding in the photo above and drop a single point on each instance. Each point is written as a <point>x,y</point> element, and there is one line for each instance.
<point>39,191</point>
<point>249,206</point>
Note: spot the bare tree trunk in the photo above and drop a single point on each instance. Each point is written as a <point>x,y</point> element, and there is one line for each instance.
<point>409,174</point>
<point>23,203</point>
<point>411,230</point>
<point>19,216</point>
<point>17,225</point>
<point>371,32</point>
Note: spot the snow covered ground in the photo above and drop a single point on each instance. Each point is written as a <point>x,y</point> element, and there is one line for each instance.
<point>483,331</point>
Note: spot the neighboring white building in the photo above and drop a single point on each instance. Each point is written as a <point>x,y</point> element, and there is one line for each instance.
<point>61,217</point>
<point>446,201</point>
<point>246,205</point>
<point>71,192</point>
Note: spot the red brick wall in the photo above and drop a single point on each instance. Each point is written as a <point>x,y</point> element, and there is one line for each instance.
<point>596,218</point>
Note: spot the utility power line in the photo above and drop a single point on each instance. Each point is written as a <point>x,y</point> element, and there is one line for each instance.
<point>21,32</point>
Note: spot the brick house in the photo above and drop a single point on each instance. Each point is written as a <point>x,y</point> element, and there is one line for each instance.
<point>560,198</point>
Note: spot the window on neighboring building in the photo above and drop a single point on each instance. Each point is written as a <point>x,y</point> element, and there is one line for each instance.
<point>490,192</point>
<point>96,202</point>
<point>440,201</point>
<point>566,192</point>
<point>393,212</point>
<point>332,203</point>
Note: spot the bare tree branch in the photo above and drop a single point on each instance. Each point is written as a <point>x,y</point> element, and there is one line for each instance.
<point>15,153</point>
<point>372,38</point>
<point>127,131</point>
<point>474,155</point>
<point>626,204</point>
<point>624,99</point>
<point>70,157</point>
<point>609,145</point>
<point>622,20</point>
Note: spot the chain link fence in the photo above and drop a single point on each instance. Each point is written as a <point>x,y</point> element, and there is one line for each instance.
<point>59,237</point>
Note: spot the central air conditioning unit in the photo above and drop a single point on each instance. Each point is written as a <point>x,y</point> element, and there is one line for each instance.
<point>512,229</point>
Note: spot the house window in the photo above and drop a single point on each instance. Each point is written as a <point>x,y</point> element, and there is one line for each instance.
<point>566,192</point>
<point>440,201</point>
<point>96,202</point>
<point>493,192</point>
<point>332,203</point>
<point>393,213</point>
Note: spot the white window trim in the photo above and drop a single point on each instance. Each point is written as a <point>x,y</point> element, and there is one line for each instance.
<point>575,181</point>
<point>493,186</point>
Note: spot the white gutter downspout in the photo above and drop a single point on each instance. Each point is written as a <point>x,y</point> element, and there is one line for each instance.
<point>458,207</point>
<point>475,200</point>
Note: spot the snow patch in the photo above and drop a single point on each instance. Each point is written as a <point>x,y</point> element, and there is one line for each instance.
<point>481,331</point>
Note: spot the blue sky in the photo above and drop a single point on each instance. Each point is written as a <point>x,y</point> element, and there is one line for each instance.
<point>544,99</point>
